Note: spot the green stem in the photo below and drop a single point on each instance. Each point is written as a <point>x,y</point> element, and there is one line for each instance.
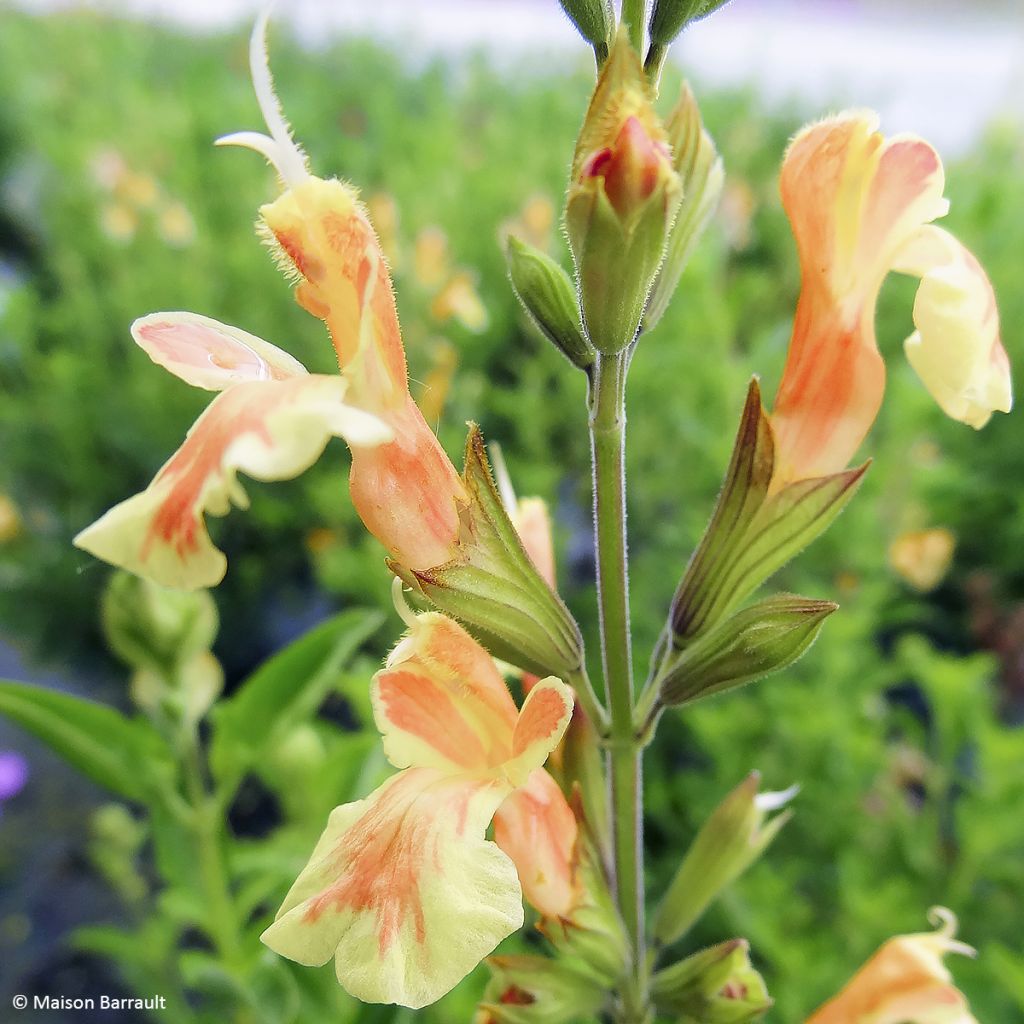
<point>634,14</point>
<point>608,435</point>
<point>212,871</point>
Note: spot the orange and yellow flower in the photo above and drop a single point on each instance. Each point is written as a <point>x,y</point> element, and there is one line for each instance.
<point>861,206</point>
<point>403,890</point>
<point>272,420</point>
<point>905,982</point>
<point>403,485</point>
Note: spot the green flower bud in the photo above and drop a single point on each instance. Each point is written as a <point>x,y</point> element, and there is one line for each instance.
<point>718,985</point>
<point>114,844</point>
<point>670,17</point>
<point>593,19</point>
<point>549,297</point>
<point>536,990</point>
<point>700,169</point>
<point>735,835</point>
<point>622,199</point>
<point>765,638</point>
<point>152,627</point>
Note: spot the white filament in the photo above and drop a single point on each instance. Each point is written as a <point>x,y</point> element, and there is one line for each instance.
<point>405,613</point>
<point>279,148</point>
<point>773,801</point>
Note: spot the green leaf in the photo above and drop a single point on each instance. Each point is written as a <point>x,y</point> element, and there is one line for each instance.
<point>112,750</point>
<point>285,690</point>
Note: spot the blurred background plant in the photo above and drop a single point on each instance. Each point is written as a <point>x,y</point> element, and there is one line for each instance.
<point>902,725</point>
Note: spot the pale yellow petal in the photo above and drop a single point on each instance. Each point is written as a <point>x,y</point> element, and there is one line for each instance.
<point>956,349</point>
<point>404,890</point>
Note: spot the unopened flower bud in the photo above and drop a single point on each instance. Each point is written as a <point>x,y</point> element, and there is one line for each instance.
<point>764,638</point>
<point>718,985</point>
<point>151,627</point>
<point>670,17</point>
<point>622,199</point>
<point>536,990</point>
<point>700,169</point>
<point>735,835</point>
<point>594,20</point>
<point>549,297</point>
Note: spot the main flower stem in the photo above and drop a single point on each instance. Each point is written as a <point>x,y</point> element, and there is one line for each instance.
<point>608,437</point>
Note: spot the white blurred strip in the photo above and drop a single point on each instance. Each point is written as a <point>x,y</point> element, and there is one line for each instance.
<point>941,73</point>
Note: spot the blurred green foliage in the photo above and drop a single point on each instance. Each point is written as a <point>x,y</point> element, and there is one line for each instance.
<point>900,732</point>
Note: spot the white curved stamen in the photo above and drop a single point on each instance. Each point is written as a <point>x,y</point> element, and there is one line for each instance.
<point>405,613</point>
<point>945,922</point>
<point>278,148</point>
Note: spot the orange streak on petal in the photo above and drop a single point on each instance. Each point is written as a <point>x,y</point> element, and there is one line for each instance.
<point>536,828</point>
<point>419,706</point>
<point>177,519</point>
<point>382,858</point>
<point>408,493</point>
<point>540,719</point>
<point>449,647</point>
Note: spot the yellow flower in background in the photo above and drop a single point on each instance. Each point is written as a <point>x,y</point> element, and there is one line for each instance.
<point>459,300</point>
<point>133,195</point>
<point>738,207</point>
<point>383,211</point>
<point>176,226</point>
<point>905,982</point>
<point>431,262</point>
<point>534,224</point>
<point>118,222</point>
<point>923,557</point>
<point>137,189</point>
<point>438,381</point>
<point>10,519</point>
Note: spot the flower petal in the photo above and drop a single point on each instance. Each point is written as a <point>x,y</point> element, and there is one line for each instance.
<point>905,982</point>
<point>208,354</point>
<point>271,430</point>
<point>853,199</point>
<point>408,494</point>
<point>542,722</point>
<point>440,701</point>
<point>535,826</point>
<point>404,890</point>
<point>956,349</point>
<point>532,521</point>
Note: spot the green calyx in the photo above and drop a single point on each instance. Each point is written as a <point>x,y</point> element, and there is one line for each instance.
<point>494,589</point>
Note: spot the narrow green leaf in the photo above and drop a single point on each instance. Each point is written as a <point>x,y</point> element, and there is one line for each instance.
<point>111,749</point>
<point>284,691</point>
